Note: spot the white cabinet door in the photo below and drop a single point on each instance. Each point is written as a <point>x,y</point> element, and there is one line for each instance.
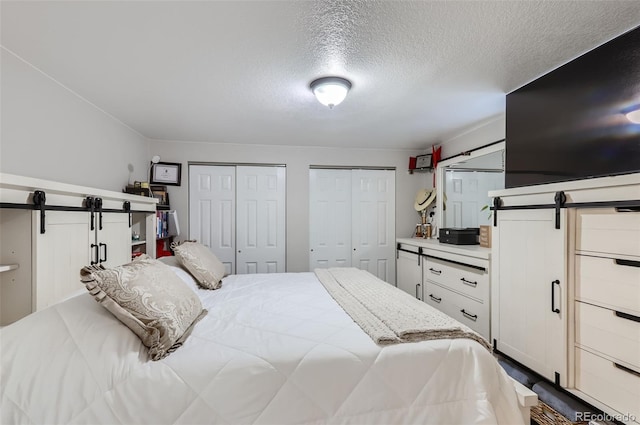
<point>330,218</point>
<point>529,290</point>
<point>59,254</point>
<point>114,240</point>
<point>373,222</point>
<point>410,273</point>
<point>260,202</point>
<point>212,214</point>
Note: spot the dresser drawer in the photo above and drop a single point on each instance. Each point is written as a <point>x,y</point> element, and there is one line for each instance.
<point>475,315</point>
<point>616,336</point>
<point>469,281</point>
<point>611,385</point>
<point>608,231</point>
<point>605,282</point>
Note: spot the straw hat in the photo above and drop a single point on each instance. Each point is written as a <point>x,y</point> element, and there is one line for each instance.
<point>424,198</point>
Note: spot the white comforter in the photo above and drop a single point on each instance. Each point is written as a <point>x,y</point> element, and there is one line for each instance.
<point>274,349</point>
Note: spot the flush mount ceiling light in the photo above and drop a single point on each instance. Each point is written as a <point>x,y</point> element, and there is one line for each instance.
<point>330,91</point>
<point>634,116</point>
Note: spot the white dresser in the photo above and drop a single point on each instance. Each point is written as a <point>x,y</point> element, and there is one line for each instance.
<point>454,279</point>
<point>566,287</point>
<point>607,308</point>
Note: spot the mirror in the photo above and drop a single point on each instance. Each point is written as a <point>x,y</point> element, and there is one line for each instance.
<point>463,183</point>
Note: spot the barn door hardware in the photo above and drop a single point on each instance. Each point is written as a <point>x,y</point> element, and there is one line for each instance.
<point>126,206</point>
<point>99,209</point>
<point>560,199</point>
<point>90,203</point>
<point>497,203</point>
<point>39,199</point>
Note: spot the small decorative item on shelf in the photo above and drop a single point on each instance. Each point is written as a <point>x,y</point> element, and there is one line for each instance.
<point>485,236</point>
<point>138,188</point>
<point>161,194</point>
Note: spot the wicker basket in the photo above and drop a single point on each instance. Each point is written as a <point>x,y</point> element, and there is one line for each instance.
<point>542,414</point>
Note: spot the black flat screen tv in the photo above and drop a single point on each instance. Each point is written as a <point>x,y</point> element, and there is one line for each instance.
<point>571,123</point>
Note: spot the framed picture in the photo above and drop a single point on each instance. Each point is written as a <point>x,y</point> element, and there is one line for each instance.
<point>161,194</point>
<point>166,173</point>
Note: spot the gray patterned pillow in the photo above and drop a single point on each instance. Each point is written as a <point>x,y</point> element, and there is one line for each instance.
<point>150,299</point>
<point>201,263</point>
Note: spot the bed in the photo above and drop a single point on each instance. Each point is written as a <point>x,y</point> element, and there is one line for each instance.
<point>273,349</point>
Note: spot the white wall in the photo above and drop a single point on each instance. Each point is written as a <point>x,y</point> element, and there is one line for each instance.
<point>490,131</point>
<point>52,133</point>
<point>297,161</point>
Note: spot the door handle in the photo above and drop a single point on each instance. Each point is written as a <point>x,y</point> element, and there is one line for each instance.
<point>102,260</point>
<point>417,286</point>
<point>553,296</point>
<point>94,254</point>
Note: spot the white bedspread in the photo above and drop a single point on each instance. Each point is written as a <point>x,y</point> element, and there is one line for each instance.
<point>274,349</point>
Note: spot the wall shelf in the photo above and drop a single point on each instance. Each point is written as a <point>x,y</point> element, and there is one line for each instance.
<point>421,170</point>
<point>7,267</point>
<point>136,243</point>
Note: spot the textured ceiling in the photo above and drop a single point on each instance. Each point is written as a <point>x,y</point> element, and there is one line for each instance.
<point>239,71</point>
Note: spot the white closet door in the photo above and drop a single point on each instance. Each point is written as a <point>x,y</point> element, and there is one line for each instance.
<point>373,222</point>
<point>260,202</point>
<point>330,218</point>
<point>212,204</point>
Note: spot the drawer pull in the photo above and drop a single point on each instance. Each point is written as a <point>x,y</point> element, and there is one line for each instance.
<point>436,299</point>
<point>473,317</point>
<point>434,271</point>
<point>553,297</point>
<point>468,282</point>
<point>626,369</point>
<point>627,316</point>
<point>628,209</point>
<point>629,263</point>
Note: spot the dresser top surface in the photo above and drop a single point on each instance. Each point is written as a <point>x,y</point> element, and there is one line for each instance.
<point>475,251</point>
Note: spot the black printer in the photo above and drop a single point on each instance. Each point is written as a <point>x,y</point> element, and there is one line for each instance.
<point>459,236</point>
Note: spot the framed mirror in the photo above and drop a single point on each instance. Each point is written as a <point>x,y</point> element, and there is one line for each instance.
<point>463,183</point>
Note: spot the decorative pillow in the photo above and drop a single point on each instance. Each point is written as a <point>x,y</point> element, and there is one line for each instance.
<point>182,273</point>
<point>148,298</point>
<point>201,263</point>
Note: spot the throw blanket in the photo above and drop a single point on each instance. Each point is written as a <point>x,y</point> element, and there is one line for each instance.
<point>389,315</point>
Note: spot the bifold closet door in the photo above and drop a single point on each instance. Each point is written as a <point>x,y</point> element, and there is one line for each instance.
<point>330,218</point>
<point>212,203</point>
<point>352,220</point>
<point>373,229</point>
<point>260,214</point>
<point>239,213</point>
